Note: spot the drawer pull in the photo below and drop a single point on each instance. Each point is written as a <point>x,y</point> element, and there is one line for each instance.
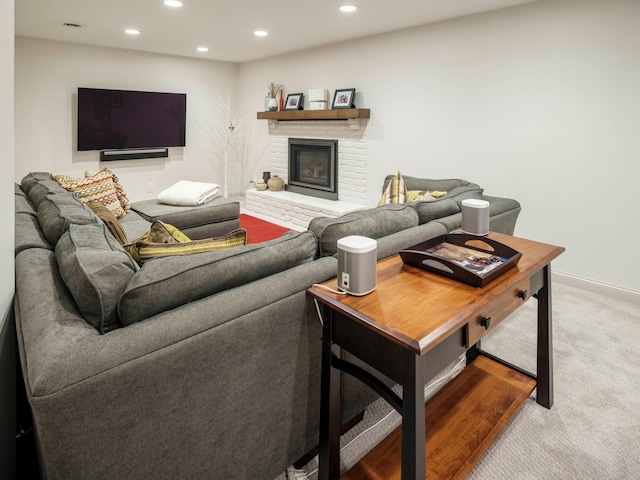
<point>486,322</point>
<point>522,294</point>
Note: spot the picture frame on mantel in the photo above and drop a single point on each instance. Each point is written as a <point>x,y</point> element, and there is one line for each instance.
<point>294,102</point>
<point>344,98</point>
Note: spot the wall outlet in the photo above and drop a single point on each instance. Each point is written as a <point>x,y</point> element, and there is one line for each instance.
<point>149,187</point>
<point>345,280</point>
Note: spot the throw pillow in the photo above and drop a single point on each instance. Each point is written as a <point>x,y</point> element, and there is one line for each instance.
<point>99,187</point>
<point>110,221</point>
<point>424,195</point>
<point>122,195</point>
<point>396,191</point>
<point>96,270</point>
<point>147,247</point>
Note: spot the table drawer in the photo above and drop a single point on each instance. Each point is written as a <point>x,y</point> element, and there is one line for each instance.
<point>497,311</point>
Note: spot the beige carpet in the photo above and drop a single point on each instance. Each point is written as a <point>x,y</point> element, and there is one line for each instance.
<point>593,429</point>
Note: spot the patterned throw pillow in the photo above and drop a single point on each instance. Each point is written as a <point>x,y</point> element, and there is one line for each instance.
<point>164,240</point>
<point>122,195</point>
<point>424,195</point>
<point>110,221</point>
<point>99,187</point>
<point>396,191</point>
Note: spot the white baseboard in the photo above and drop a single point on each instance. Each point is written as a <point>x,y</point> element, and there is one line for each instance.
<point>597,287</point>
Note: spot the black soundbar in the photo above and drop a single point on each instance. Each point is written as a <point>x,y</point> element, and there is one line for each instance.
<point>106,155</point>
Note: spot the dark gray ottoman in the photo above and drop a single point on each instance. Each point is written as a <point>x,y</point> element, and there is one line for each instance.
<point>212,219</point>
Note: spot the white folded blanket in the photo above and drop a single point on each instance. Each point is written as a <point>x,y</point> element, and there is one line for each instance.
<point>189,193</point>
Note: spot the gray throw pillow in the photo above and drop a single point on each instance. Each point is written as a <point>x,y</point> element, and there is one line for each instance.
<point>96,270</point>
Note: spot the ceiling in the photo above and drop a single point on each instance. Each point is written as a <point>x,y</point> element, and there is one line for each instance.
<point>226,27</point>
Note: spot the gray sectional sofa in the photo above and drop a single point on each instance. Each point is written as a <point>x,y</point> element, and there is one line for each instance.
<point>217,371</point>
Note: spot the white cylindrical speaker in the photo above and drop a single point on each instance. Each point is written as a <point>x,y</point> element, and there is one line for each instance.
<point>357,259</point>
<point>475,217</point>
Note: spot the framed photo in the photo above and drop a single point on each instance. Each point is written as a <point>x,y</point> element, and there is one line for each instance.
<point>294,102</point>
<point>344,98</point>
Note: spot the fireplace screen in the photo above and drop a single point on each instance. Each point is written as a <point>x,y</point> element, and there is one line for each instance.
<point>313,167</point>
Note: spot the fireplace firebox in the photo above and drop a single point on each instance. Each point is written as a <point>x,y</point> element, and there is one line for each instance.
<point>313,167</point>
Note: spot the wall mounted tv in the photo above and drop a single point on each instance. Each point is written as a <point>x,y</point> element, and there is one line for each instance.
<point>126,119</point>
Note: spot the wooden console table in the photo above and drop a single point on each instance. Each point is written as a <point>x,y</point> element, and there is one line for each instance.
<point>412,326</point>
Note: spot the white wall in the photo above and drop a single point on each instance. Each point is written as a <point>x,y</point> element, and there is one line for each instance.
<point>48,75</point>
<point>537,102</point>
<point>7,329</point>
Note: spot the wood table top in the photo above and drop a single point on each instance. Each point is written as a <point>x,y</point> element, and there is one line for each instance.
<point>418,309</point>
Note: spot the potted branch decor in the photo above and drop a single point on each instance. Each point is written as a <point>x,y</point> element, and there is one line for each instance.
<point>274,88</point>
<point>225,129</point>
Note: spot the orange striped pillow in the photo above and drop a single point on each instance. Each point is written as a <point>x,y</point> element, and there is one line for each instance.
<point>99,187</point>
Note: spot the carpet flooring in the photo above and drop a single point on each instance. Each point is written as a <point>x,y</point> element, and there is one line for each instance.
<point>259,230</point>
<point>593,429</point>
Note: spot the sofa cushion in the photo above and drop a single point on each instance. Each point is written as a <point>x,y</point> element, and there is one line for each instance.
<point>59,210</point>
<point>373,223</point>
<point>96,270</point>
<point>167,283</point>
<point>40,188</point>
<point>433,210</point>
<point>31,179</point>
<point>99,187</point>
<point>185,217</point>
<point>28,233</point>
<point>110,221</point>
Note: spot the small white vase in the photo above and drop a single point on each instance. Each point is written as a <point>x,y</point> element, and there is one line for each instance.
<point>273,105</point>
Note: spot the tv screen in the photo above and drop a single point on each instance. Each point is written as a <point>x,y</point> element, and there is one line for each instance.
<point>119,119</point>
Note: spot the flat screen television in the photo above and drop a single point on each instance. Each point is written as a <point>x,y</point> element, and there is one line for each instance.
<point>126,119</point>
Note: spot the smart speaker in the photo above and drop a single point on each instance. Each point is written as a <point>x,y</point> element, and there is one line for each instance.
<point>357,257</point>
<point>475,217</point>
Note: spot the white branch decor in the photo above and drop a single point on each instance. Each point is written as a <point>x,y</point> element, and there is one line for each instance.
<point>224,128</point>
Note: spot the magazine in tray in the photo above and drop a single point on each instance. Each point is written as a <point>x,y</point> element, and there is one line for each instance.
<point>462,257</point>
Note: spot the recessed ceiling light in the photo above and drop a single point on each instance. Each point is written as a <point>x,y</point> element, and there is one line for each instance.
<point>132,31</point>
<point>260,33</point>
<point>348,8</point>
<point>173,3</point>
<point>202,49</point>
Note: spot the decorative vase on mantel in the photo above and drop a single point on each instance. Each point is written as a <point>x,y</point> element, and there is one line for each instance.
<point>273,105</point>
<point>275,183</point>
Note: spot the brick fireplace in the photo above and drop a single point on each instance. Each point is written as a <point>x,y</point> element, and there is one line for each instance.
<point>295,210</point>
<point>351,152</point>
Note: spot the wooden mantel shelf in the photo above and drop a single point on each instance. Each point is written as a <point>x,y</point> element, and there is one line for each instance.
<point>292,115</point>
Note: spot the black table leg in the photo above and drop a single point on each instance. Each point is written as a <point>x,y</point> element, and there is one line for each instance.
<point>413,422</point>
<point>544,395</point>
<point>329,454</point>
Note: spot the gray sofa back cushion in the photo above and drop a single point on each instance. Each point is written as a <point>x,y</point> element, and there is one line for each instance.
<point>373,223</point>
<point>59,210</point>
<point>429,211</point>
<point>38,189</point>
<point>166,283</point>
<point>96,270</point>
<point>28,233</point>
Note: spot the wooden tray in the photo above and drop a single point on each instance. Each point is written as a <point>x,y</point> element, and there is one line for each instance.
<point>470,259</point>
